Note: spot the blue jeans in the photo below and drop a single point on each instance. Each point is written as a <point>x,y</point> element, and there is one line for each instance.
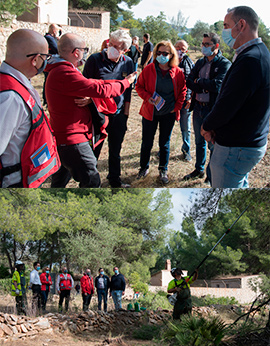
<point>102,294</point>
<point>199,113</point>
<point>230,166</point>
<point>117,299</point>
<point>185,129</point>
<point>166,123</point>
<point>44,298</point>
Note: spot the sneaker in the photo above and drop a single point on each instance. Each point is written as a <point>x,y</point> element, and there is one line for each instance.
<point>163,177</point>
<point>142,173</point>
<point>187,156</point>
<point>194,174</point>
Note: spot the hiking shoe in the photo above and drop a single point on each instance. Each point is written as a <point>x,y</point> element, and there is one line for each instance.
<point>187,156</point>
<point>163,177</point>
<point>194,174</point>
<point>142,173</point>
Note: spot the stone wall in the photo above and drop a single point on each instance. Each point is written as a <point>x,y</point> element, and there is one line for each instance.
<point>92,37</point>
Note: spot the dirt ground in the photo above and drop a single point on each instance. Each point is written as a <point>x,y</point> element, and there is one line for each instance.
<point>177,169</point>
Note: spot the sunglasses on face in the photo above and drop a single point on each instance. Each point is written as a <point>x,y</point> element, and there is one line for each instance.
<point>42,56</point>
<point>163,53</point>
<point>206,44</point>
<point>85,49</point>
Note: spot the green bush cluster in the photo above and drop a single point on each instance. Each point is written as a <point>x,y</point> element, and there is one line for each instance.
<point>155,300</point>
<point>209,300</point>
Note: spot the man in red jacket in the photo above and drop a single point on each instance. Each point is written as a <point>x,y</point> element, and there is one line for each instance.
<point>69,95</point>
<point>87,286</point>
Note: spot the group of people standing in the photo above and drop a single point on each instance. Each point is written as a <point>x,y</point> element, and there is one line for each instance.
<point>40,284</point>
<point>230,104</point>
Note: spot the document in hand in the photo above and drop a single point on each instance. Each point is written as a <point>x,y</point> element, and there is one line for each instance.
<point>159,101</point>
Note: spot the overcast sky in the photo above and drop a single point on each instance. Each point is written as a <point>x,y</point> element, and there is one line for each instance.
<point>208,11</point>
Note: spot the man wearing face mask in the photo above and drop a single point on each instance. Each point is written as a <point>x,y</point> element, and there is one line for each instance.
<point>102,284</point>
<point>205,81</point>
<point>35,285</point>
<point>64,285</point>
<point>18,288</point>
<point>239,121</point>
<point>134,53</point>
<point>186,64</point>
<point>69,95</point>
<point>117,288</point>
<point>20,106</point>
<point>110,64</point>
<point>147,53</point>
<point>87,286</point>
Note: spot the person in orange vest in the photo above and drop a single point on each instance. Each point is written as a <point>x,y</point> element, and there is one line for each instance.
<point>87,286</point>
<point>46,282</point>
<point>64,285</point>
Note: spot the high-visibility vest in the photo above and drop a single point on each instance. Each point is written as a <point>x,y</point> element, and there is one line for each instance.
<point>65,284</point>
<point>16,277</point>
<point>39,157</point>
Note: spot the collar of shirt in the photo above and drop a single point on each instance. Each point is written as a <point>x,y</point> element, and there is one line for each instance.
<point>6,68</point>
<point>245,45</point>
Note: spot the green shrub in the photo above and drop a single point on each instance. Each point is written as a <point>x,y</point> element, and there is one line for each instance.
<point>146,332</point>
<point>4,272</point>
<point>222,300</point>
<point>5,286</point>
<point>195,331</point>
<point>153,301</point>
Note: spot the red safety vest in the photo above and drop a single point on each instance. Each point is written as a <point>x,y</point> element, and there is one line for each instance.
<point>39,157</point>
<point>65,284</point>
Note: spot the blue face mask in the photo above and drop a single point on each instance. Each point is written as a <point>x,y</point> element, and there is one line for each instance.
<point>38,268</point>
<point>47,271</point>
<point>102,273</point>
<point>42,68</point>
<point>207,51</point>
<point>227,36</point>
<point>163,59</point>
<point>116,272</point>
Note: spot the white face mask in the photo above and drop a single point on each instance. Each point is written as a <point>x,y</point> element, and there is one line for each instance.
<point>113,53</point>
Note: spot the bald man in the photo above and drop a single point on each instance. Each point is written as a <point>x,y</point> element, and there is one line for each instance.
<point>68,95</point>
<point>52,38</point>
<point>26,56</point>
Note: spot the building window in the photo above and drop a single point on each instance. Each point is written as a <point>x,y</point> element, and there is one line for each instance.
<point>227,285</point>
<point>218,286</point>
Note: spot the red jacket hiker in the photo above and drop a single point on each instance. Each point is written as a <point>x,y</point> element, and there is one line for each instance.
<point>46,280</point>
<point>87,284</point>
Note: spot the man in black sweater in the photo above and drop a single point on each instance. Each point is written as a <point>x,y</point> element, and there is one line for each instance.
<point>239,120</point>
<point>117,288</point>
<point>205,80</point>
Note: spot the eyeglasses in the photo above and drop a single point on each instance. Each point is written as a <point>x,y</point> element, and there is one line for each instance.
<point>163,53</point>
<point>206,44</point>
<point>85,49</point>
<point>47,56</point>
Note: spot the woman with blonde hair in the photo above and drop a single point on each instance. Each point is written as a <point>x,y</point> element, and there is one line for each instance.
<point>162,87</point>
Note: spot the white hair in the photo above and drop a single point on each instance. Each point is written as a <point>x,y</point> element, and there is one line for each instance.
<point>123,37</point>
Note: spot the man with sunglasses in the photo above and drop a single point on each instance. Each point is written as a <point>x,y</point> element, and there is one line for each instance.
<point>205,80</point>
<point>69,96</point>
<point>26,56</point>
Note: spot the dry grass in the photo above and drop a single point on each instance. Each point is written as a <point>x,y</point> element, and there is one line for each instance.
<point>177,169</point>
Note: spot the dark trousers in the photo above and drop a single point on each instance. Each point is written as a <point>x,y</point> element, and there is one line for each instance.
<point>116,129</point>
<point>86,301</point>
<point>65,294</point>
<point>44,298</point>
<point>21,304</point>
<point>77,161</point>
<point>36,300</point>
<point>181,307</point>
<point>149,128</point>
<point>102,294</point>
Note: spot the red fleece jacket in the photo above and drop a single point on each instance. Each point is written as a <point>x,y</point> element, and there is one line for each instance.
<point>72,124</point>
<point>146,86</point>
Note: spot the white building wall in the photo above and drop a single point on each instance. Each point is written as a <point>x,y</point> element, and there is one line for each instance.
<point>53,11</point>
